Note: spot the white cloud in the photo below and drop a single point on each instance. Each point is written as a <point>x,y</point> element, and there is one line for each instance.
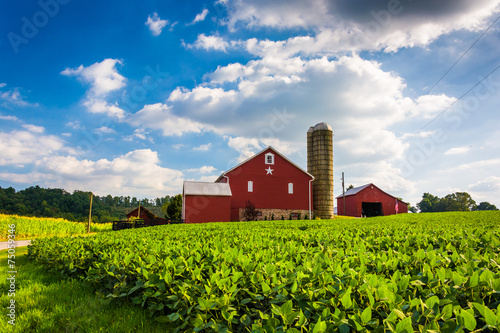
<point>103,76</point>
<point>155,24</point>
<point>246,147</point>
<point>105,130</point>
<point>368,25</point>
<point>76,125</point>
<point>489,184</point>
<point>209,43</point>
<point>13,118</point>
<point>101,106</point>
<point>457,151</point>
<point>136,173</point>
<point>14,97</point>
<point>200,17</point>
<point>205,147</point>
<point>26,147</point>
<point>203,170</point>
<point>160,117</point>
<point>34,128</point>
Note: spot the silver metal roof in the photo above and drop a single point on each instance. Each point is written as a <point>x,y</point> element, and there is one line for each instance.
<point>206,188</point>
<point>322,126</point>
<point>354,190</point>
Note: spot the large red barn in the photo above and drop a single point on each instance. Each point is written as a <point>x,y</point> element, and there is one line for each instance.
<point>368,200</point>
<point>276,186</point>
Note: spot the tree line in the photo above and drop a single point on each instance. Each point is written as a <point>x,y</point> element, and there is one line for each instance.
<point>46,202</point>
<point>458,201</point>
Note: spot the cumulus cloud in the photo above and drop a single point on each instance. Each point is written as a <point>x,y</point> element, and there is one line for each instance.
<point>25,147</point>
<point>200,17</point>
<point>457,151</point>
<point>155,24</point>
<point>103,78</point>
<point>205,147</point>
<point>206,169</point>
<point>367,25</point>
<point>160,117</point>
<point>208,43</point>
<point>136,173</point>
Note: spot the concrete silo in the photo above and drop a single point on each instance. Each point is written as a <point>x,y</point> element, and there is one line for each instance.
<point>320,165</point>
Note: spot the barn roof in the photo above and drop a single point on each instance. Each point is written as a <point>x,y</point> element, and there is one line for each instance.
<point>358,189</point>
<point>257,154</point>
<point>354,190</point>
<point>206,188</point>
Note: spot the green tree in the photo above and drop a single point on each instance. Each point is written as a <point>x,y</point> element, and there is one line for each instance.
<point>174,208</point>
<point>458,201</point>
<point>485,205</point>
<point>428,203</point>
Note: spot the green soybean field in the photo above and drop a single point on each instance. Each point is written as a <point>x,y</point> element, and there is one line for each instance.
<point>434,272</point>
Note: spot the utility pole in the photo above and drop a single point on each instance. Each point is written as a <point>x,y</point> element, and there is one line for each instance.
<point>343,191</point>
<point>90,213</point>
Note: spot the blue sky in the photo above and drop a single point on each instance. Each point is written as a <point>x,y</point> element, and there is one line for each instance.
<point>132,98</point>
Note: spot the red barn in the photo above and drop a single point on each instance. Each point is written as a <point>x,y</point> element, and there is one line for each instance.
<point>206,202</point>
<point>143,213</point>
<point>368,200</point>
<point>276,186</point>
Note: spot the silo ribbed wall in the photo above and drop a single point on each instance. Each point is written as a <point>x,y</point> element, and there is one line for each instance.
<point>320,165</point>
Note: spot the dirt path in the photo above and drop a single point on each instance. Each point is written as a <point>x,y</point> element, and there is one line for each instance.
<point>3,245</point>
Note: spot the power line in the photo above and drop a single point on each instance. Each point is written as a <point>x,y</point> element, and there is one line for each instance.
<point>437,116</point>
<point>435,84</point>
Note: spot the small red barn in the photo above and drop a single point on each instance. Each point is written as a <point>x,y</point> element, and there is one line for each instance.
<point>368,200</point>
<point>271,182</point>
<point>143,213</point>
<point>206,202</point>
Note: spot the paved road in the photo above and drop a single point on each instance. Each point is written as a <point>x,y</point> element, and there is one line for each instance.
<point>3,245</point>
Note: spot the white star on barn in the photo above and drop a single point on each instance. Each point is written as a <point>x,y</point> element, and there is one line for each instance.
<point>269,171</point>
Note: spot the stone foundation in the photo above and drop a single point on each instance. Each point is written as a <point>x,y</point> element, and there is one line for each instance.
<point>267,214</point>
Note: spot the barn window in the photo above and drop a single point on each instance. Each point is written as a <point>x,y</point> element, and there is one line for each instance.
<point>290,188</point>
<point>270,158</point>
<point>250,186</point>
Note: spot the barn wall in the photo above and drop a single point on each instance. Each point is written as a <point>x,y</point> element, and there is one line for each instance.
<point>350,206</point>
<point>269,191</point>
<point>371,194</point>
<point>202,208</point>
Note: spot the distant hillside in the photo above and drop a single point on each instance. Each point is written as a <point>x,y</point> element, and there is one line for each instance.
<point>42,202</point>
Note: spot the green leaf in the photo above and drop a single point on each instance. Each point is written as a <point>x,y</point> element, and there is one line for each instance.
<point>474,280</point>
<point>173,316</point>
<point>430,302</point>
<point>346,299</point>
<point>319,327</point>
<point>163,319</point>
<point>457,279</point>
<point>265,288</point>
<point>287,307</point>
<point>404,326</point>
<point>468,319</point>
<point>490,317</point>
<point>366,315</point>
<point>246,320</point>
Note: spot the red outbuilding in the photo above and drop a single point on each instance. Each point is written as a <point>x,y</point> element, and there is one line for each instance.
<point>368,200</point>
<point>206,202</point>
<point>276,186</point>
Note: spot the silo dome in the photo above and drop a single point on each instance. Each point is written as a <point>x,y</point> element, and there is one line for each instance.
<point>322,126</point>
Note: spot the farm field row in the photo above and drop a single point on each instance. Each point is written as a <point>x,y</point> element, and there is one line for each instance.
<point>405,273</point>
<point>28,227</point>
